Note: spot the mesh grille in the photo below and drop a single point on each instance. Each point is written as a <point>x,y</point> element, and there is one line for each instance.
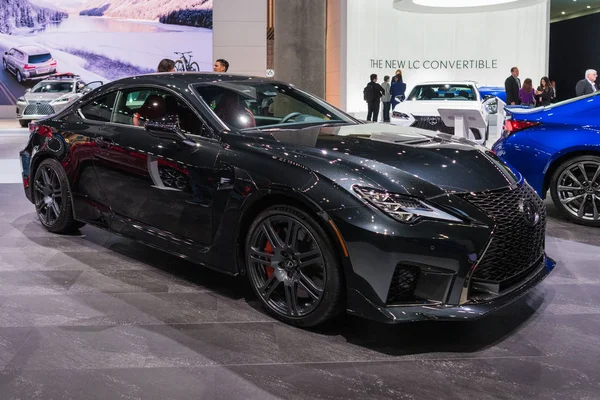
<point>436,124</point>
<point>39,108</point>
<point>404,283</point>
<point>517,244</point>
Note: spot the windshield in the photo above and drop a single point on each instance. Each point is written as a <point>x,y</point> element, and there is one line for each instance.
<point>53,87</point>
<point>443,92</point>
<point>248,105</point>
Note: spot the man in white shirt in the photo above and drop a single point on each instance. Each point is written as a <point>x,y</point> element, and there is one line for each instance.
<point>587,85</point>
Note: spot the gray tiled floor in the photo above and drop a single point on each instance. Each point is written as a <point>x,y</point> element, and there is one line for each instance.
<point>99,317</point>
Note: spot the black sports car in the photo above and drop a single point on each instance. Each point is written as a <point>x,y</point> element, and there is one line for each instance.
<point>321,212</point>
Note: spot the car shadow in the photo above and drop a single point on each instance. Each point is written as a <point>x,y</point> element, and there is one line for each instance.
<point>403,339</point>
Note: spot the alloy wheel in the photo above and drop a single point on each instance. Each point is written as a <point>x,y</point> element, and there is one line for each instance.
<point>286,266</point>
<point>47,195</point>
<point>19,77</point>
<point>579,190</point>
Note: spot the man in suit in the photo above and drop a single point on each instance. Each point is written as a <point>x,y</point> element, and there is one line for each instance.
<point>512,86</point>
<point>587,85</point>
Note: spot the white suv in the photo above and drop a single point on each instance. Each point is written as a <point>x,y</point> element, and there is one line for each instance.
<point>29,63</point>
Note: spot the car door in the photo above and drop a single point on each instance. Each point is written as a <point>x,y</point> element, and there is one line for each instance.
<point>159,190</point>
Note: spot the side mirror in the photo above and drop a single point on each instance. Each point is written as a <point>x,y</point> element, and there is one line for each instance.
<point>166,128</point>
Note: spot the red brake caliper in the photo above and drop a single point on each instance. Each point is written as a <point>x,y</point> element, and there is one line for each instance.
<point>269,249</point>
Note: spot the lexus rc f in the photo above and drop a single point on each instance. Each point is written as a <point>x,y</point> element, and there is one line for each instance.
<point>321,213</point>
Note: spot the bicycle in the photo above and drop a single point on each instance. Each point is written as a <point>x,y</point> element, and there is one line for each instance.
<point>186,64</point>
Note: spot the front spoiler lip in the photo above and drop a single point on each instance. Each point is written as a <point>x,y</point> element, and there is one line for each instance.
<point>465,312</point>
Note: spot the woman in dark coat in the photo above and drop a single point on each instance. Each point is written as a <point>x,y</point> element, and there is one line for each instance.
<point>397,90</point>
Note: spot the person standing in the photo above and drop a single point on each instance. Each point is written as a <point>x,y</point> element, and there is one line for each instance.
<point>543,94</point>
<point>526,94</point>
<point>398,90</point>
<point>588,84</point>
<point>553,86</point>
<point>512,84</point>
<point>221,65</point>
<point>386,98</point>
<point>372,95</point>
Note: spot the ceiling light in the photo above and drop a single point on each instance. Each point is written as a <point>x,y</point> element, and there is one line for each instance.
<point>589,6</point>
<point>460,3</point>
<point>563,13</point>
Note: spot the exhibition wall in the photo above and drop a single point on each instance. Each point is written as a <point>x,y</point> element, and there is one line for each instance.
<point>377,38</point>
<point>573,50</point>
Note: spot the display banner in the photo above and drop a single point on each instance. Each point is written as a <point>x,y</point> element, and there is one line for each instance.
<point>98,39</point>
<point>479,47</point>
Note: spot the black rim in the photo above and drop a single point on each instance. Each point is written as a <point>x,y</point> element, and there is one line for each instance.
<point>286,266</point>
<point>47,195</point>
<point>579,190</point>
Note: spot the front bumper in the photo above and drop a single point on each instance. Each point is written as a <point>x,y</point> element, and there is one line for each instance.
<point>465,312</point>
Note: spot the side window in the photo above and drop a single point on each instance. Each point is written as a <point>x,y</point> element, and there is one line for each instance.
<point>138,106</point>
<point>11,52</point>
<point>100,109</point>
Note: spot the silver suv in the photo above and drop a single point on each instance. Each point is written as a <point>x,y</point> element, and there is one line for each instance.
<point>51,96</point>
<point>29,63</point>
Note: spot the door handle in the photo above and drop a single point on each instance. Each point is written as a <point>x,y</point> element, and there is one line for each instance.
<point>104,141</point>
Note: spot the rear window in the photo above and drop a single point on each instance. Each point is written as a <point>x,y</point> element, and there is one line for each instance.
<point>39,58</point>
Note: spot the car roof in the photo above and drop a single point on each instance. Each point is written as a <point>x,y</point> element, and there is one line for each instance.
<point>184,79</point>
<point>32,50</point>
<point>447,83</point>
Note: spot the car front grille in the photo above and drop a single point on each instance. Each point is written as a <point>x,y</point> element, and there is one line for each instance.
<point>433,123</point>
<point>39,108</point>
<point>518,240</point>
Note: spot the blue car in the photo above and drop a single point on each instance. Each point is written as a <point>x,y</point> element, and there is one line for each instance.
<point>492,91</point>
<point>557,148</point>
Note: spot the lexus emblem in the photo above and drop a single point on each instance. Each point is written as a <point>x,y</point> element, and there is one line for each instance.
<point>530,213</point>
<point>432,120</point>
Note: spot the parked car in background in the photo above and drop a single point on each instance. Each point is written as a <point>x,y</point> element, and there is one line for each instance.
<point>29,63</point>
<point>488,95</point>
<point>323,214</point>
<point>420,109</point>
<point>557,148</point>
<point>50,96</point>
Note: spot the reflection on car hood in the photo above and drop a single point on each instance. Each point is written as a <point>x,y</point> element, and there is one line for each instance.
<point>403,159</point>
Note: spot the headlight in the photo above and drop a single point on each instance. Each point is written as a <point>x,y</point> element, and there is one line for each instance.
<point>402,208</point>
<point>61,100</point>
<point>21,100</point>
<point>397,114</point>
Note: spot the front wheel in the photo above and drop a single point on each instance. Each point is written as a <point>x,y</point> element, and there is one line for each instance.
<point>194,67</point>
<point>24,123</point>
<point>292,267</point>
<point>575,189</point>
<point>52,198</point>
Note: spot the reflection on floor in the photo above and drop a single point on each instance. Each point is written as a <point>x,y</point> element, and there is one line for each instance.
<point>96,316</point>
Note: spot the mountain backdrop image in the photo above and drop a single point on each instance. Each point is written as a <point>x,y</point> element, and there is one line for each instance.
<point>15,14</point>
<point>197,13</point>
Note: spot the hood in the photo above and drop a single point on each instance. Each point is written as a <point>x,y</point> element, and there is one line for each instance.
<point>33,97</point>
<point>430,107</point>
<point>400,159</point>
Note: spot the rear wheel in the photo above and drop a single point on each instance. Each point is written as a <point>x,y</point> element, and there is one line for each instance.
<point>575,189</point>
<point>52,198</point>
<point>194,67</point>
<point>19,77</point>
<point>292,267</point>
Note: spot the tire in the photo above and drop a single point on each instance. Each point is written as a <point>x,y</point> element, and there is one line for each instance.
<point>4,65</point>
<point>179,67</point>
<point>52,198</point>
<point>275,271</point>
<point>584,210</point>
<point>24,123</point>
<point>19,77</point>
<point>194,67</point>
